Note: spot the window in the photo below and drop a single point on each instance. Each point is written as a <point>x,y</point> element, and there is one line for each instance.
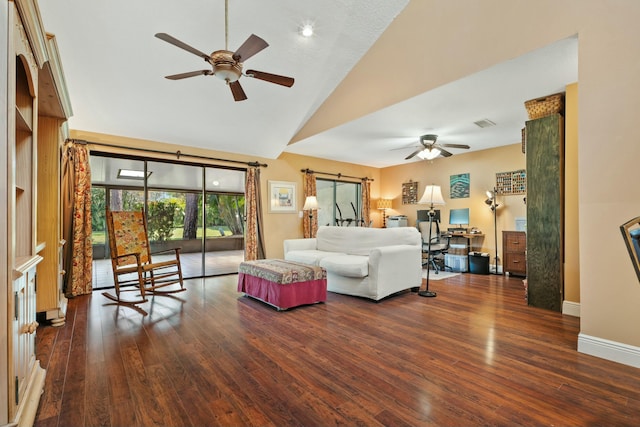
<point>339,202</point>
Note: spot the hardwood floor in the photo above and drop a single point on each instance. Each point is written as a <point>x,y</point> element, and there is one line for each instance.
<point>474,355</point>
<point>216,263</point>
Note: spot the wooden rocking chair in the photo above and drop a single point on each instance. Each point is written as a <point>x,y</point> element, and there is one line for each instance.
<point>131,259</point>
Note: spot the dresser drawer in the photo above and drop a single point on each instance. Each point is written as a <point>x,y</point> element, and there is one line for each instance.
<point>515,263</point>
<point>515,242</point>
<point>514,247</point>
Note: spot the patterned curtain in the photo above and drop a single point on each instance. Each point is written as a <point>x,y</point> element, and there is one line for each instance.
<point>254,234</point>
<point>310,225</point>
<point>366,202</point>
<point>76,219</point>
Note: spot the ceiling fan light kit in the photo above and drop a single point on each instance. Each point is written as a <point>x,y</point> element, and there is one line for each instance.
<point>227,65</point>
<point>224,67</point>
<point>431,149</point>
<point>429,154</point>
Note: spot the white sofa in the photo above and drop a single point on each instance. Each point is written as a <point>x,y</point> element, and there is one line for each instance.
<point>366,262</point>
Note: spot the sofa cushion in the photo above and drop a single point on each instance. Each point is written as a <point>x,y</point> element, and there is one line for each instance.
<point>309,256</point>
<point>361,240</point>
<point>346,265</point>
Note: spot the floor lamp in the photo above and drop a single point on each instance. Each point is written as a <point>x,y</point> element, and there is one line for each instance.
<point>432,196</point>
<point>493,204</point>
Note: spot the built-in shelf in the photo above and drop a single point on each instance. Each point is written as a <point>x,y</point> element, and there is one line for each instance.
<point>21,122</point>
<point>24,264</point>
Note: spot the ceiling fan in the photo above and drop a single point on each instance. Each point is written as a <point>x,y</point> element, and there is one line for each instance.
<point>430,149</point>
<point>228,65</point>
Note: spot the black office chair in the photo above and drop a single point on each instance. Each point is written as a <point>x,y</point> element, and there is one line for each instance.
<point>439,245</point>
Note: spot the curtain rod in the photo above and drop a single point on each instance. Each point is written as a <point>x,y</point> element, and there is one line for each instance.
<point>339,175</point>
<point>178,153</point>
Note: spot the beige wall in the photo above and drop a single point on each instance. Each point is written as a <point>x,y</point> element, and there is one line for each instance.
<point>571,201</point>
<point>466,36</point>
<point>481,167</point>
<point>609,106</point>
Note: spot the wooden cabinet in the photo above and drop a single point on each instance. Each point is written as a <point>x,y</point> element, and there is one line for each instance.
<point>26,377</point>
<point>32,95</point>
<point>514,248</point>
<point>51,302</point>
<point>27,373</point>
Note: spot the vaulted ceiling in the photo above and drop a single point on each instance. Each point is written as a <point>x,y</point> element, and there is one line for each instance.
<point>115,70</point>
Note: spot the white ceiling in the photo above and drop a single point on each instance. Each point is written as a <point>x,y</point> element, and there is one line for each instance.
<point>115,68</point>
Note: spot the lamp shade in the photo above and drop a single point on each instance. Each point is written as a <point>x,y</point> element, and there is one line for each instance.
<point>384,204</point>
<point>311,202</point>
<point>432,196</point>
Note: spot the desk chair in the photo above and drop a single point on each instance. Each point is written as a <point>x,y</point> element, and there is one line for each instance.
<point>439,244</point>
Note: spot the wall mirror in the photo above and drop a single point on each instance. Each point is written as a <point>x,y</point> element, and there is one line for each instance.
<point>631,235</point>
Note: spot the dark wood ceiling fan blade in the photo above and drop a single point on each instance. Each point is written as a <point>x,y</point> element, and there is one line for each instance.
<point>182,45</point>
<point>272,78</point>
<point>465,146</point>
<point>410,156</point>
<point>444,153</point>
<point>189,74</point>
<point>237,91</point>
<point>250,47</point>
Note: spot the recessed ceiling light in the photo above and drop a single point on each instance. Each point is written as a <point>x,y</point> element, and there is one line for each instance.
<point>306,30</point>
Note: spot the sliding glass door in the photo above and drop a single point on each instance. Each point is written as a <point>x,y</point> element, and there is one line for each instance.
<point>205,220</point>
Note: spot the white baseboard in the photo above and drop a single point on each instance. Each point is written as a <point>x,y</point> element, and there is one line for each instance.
<point>571,308</point>
<point>610,350</point>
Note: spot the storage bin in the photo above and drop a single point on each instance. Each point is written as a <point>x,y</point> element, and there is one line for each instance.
<point>478,263</point>
<point>457,263</point>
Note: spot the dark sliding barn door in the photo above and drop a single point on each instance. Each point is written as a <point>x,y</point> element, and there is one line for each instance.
<point>545,196</point>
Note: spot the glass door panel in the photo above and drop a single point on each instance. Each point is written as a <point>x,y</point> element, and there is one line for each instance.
<point>174,200</point>
<point>117,184</point>
<point>339,203</point>
<point>224,219</point>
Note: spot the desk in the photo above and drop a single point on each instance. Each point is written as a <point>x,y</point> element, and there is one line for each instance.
<point>460,244</point>
<point>469,237</point>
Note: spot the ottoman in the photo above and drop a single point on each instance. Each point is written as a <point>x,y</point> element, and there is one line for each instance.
<point>283,284</point>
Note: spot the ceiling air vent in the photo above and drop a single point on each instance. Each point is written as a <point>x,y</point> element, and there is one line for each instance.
<point>484,123</point>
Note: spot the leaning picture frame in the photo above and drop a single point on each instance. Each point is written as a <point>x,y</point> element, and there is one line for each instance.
<point>282,197</point>
<point>631,235</point>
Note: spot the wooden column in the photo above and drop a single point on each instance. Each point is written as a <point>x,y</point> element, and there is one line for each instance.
<point>545,187</point>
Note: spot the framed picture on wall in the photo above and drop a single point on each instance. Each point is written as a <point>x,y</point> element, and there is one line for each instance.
<point>459,186</point>
<point>282,197</point>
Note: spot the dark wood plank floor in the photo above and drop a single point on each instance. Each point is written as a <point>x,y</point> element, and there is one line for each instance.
<point>474,355</point>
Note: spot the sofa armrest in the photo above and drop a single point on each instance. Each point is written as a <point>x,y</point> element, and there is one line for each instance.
<point>391,265</point>
<point>299,244</point>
